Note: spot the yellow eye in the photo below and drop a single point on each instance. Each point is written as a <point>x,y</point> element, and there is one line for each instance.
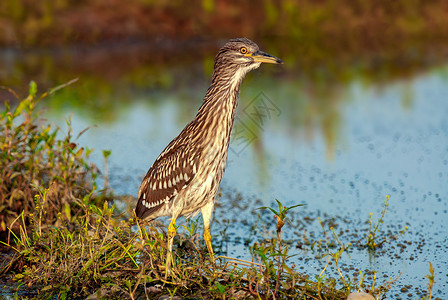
<point>243,50</point>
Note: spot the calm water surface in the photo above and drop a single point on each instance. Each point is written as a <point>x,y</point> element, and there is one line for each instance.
<point>339,148</point>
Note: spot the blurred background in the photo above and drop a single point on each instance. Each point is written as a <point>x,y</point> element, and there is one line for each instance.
<point>358,111</point>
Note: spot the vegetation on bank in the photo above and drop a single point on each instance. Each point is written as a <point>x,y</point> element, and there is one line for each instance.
<point>34,160</point>
<point>64,238</point>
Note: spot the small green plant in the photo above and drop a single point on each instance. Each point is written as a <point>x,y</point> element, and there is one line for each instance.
<point>219,288</point>
<point>275,250</point>
<point>373,241</point>
<point>335,256</point>
<point>431,278</point>
<point>106,154</point>
<point>334,249</point>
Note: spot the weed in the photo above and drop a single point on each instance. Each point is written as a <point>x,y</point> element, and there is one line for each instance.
<point>34,159</point>
<point>276,249</point>
<point>431,278</point>
<point>373,240</point>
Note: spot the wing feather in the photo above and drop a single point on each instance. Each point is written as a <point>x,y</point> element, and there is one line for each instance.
<point>171,172</point>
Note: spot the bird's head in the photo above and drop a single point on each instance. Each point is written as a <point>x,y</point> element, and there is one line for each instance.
<point>242,55</point>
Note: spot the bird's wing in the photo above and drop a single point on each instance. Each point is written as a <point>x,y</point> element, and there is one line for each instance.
<point>172,171</point>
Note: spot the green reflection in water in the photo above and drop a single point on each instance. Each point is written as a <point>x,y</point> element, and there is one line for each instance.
<point>309,90</point>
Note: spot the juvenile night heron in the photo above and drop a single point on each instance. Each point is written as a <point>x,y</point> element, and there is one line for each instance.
<point>185,177</point>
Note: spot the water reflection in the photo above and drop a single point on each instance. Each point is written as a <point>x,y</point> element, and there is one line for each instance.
<point>306,98</point>
<point>313,89</point>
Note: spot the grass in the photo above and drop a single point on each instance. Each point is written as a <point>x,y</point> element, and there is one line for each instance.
<point>126,259</point>
<point>33,158</point>
<point>65,239</point>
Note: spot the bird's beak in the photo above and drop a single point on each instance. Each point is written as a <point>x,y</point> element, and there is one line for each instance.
<point>263,57</point>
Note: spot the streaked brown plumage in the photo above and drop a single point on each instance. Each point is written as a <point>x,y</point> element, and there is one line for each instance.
<point>185,177</point>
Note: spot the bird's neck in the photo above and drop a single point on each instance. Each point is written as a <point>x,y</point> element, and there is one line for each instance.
<point>217,111</point>
<point>221,98</point>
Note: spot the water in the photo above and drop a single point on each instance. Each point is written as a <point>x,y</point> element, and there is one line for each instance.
<point>338,147</point>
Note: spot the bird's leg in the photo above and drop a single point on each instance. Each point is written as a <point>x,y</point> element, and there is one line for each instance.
<point>208,242</point>
<point>171,235</point>
<point>207,211</point>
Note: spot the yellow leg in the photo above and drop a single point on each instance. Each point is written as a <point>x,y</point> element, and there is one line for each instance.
<point>207,211</point>
<point>208,242</point>
<point>171,235</point>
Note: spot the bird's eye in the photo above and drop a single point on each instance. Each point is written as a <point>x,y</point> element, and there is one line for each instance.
<point>243,50</point>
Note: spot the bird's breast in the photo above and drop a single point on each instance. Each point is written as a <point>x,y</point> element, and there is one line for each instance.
<point>213,141</point>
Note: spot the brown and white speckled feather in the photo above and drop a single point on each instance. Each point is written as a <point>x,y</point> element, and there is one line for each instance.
<point>186,175</point>
<point>173,170</point>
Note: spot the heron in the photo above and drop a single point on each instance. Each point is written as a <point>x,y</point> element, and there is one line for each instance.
<point>185,177</point>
